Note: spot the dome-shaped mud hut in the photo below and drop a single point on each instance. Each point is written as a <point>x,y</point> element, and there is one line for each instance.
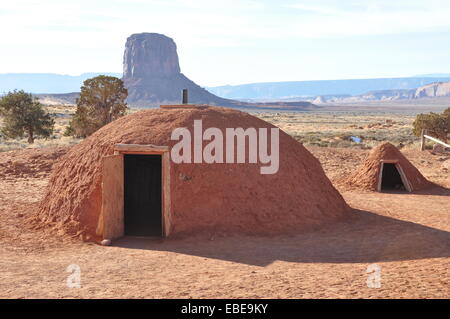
<point>122,180</point>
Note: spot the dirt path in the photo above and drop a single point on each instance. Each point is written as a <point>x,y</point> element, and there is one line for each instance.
<point>406,235</point>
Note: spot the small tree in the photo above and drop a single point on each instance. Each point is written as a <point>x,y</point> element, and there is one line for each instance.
<point>436,124</point>
<point>23,115</point>
<point>101,101</point>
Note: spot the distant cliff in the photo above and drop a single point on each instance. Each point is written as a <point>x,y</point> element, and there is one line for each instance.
<point>152,74</point>
<point>299,89</point>
<point>438,89</point>
<point>432,90</point>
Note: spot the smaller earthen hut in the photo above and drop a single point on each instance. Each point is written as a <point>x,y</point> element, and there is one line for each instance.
<point>386,168</point>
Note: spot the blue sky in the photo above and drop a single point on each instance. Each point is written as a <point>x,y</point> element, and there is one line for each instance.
<point>233,42</point>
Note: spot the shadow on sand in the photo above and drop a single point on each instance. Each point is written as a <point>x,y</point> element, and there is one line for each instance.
<point>435,190</point>
<point>365,238</point>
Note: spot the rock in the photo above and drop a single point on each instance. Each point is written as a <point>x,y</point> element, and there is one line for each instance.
<point>437,89</point>
<point>446,165</point>
<point>85,237</point>
<point>150,55</point>
<point>319,100</point>
<point>106,242</point>
<point>152,75</point>
<point>438,148</point>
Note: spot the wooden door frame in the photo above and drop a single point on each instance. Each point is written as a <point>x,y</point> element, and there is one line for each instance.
<point>400,171</point>
<point>110,223</point>
<point>149,149</point>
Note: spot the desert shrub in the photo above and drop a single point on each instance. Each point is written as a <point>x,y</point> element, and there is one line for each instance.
<point>436,124</point>
<point>24,115</point>
<point>101,101</point>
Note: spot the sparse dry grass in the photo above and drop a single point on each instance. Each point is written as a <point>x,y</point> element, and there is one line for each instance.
<point>334,129</point>
<point>324,128</point>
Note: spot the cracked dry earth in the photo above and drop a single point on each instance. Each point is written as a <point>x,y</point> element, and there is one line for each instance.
<point>406,235</point>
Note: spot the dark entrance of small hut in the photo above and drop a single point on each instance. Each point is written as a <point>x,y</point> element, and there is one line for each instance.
<point>391,179</point>
<point>142,195</point>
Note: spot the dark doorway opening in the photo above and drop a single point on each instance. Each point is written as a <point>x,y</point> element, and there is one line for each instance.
<point>391,179</point>
<point>142,195</point>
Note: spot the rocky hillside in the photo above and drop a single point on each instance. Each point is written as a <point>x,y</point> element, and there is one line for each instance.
<point>432,90</point>
<point>295,89</point>
<point>152,74</point>
<point>438,89</point>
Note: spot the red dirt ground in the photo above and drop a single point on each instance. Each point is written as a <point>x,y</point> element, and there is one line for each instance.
<point>407,235</point>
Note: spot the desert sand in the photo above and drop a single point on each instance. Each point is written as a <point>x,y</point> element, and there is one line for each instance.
<point>406,235</point>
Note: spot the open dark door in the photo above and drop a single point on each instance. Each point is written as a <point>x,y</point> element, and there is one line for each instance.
<point>391,179</point>
<point>143,192</point>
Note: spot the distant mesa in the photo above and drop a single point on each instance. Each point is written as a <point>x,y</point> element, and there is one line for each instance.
<point>330,91</point>
<point>439,89</point>
<point>150,55</point>
<point>431,90</point>
<point>152,74</point>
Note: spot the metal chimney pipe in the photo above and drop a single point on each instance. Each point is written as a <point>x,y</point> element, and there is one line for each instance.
<point>185,96</point>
